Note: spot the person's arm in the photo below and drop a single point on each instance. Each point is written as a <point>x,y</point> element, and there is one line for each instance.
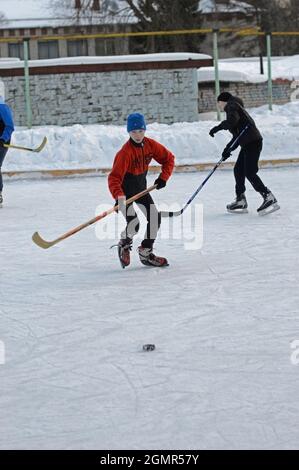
<point>232,118</point>
<point>117,174</point>
<point>6,117</point>
<point>166,159</point>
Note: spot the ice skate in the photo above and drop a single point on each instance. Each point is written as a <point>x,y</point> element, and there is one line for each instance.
<point>148,258</point>
<point>124,247</point>
<point>269,204</point>
<point>1,200</point>
<point>239,206</point>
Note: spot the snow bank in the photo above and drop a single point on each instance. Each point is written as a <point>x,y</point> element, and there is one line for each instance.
<point>94,146</point>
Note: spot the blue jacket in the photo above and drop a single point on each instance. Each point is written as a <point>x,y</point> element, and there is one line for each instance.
<point>6,123</point>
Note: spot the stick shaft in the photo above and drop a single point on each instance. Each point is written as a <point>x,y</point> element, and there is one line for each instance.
<point>98,217</point>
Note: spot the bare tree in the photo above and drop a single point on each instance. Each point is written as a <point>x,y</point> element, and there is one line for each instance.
<point>85,11</point>
<point>159,15</point>
<point>148,15</point>
<point>279,16</point>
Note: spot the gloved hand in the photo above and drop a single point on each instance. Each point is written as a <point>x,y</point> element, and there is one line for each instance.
<point>121,203</point>
<point>160,183</point>
<point>226,153</point>
<point>214,130</point>
<point>2,142</point>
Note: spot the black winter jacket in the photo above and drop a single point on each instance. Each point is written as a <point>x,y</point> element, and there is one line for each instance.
<point>237,118</point>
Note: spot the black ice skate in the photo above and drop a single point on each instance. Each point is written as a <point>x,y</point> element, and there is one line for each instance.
<point>1,200</point>
<point>148,258</point>
<point>239,206</point>
<point>269,204</point>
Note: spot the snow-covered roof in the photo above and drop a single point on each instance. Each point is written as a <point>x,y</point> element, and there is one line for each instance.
<point>247,69</point>
<point>169,56</point>
<point>231,6</point>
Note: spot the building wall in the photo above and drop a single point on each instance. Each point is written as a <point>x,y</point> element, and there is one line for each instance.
<point>99,46</point>
<point>164,95</point>
<point>253,94</point>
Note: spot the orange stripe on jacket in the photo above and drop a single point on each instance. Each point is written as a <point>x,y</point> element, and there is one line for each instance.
<point>135,160</point>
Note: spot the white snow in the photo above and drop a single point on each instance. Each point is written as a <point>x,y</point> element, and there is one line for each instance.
<point>94,146</point>
<point>211,6</point>
<point>223,319</point>
<point>166,56</point>
<point>247,69</point>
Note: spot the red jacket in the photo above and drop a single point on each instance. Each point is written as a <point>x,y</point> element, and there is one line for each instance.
<point>135,159</point>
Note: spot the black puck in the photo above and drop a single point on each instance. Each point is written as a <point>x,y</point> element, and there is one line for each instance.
<point>148,347</point>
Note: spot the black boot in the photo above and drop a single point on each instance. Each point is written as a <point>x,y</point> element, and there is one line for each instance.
<point>269,204</point>
<point>239,205</point>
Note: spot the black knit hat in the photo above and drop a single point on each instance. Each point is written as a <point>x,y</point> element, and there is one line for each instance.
<point>224,96</point>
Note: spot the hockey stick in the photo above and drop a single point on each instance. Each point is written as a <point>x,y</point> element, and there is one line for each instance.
<point>38,240</point>
<point>177,213</point>
<point>37,149</point>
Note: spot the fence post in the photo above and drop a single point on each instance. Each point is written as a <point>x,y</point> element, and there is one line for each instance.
<point>270,89</point>
<point>216,68</point>
<point>27,83</point>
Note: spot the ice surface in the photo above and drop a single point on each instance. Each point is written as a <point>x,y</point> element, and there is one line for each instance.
<point>222,319</point>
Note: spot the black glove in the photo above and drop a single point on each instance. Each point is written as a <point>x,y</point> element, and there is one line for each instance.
<point>2,142</point>
<point>214,130</point>
<point>226,153</point>
<point>160,183</point>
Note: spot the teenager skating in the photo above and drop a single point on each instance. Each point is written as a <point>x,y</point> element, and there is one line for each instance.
<point>240,123</point>
<point>127,178</point>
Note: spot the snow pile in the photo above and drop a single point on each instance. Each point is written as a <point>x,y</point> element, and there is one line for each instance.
<point>94,146</point>
<point>248,69</point>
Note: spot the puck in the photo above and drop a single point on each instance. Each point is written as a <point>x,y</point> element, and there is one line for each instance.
<point>148,347</point>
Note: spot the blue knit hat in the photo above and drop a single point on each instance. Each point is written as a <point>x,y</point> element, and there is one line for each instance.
<point>135,122</point>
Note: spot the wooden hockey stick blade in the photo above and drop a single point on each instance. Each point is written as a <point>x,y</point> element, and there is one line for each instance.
<point>37,149</point>
<point>41,146</point>
<point>39,241</point>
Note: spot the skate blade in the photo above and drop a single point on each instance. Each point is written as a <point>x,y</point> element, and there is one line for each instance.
<point>145,263</point>
<point>269,210</point>
<point>238,211</point>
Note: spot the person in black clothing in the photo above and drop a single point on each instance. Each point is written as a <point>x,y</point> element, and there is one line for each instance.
<point>246,134</point>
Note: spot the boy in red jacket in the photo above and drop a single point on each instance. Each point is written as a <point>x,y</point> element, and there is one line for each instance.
<point>127,178</point>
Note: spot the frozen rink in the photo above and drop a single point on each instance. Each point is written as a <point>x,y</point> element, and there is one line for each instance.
<point>222,318</point>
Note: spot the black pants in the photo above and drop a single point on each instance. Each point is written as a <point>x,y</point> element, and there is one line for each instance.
<point>247,167</point>
<point>132,185</point>
<point>3,151</point>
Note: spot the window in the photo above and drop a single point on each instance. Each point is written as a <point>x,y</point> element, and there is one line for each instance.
<point>105,46</point>
<point>76,48</point>
<point>17,50</point>
<point>48,49</point>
